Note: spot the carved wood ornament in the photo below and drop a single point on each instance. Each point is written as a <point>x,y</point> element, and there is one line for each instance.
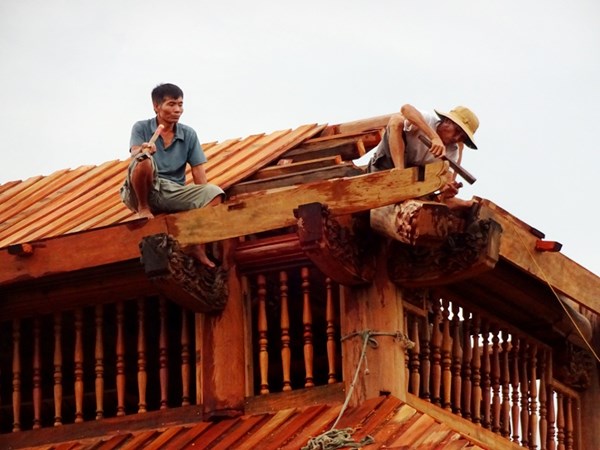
<point>181,277</point>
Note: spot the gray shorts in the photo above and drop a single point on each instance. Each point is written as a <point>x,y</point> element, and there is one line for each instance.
<point>167,196</point>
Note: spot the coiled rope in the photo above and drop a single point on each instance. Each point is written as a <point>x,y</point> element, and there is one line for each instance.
<point>334,438</point>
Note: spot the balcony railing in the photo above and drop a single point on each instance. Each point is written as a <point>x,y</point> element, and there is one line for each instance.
<point>130,357</point>
<point>490,373</point>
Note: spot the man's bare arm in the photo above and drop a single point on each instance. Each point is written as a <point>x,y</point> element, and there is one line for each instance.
<point>413,115</point>
<point>199,174</point>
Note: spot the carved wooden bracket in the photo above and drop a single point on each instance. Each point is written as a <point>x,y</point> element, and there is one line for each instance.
<point>335,246</point>
<point>573,366</point>
<point>462,255</point>
<point>180,277</point>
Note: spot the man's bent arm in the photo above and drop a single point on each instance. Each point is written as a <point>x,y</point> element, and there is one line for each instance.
<point>199,174</point>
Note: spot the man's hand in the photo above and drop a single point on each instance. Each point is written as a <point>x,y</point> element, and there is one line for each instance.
<point>438,149</point>
<point>148,148</point>
<point>450,190</point>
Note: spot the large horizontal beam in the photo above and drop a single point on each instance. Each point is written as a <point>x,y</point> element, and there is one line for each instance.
<point>253,213</point>
<point>269,210</point>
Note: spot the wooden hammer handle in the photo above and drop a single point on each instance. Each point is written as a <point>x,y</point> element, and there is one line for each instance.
<point>464,173</point>
<point>156,134</point>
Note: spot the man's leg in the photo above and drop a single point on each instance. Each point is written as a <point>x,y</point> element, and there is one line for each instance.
<point>199,251</point>
<point>142,177</point>
<point>395,130</point>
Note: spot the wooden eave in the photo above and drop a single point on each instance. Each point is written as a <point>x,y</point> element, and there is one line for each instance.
<point>392,423</point>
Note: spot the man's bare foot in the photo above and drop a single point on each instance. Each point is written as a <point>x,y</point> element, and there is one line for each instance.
<point>145,214</point>
<point>198,252</point>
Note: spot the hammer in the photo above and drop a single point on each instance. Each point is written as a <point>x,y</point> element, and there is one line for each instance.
<point>455,166</point>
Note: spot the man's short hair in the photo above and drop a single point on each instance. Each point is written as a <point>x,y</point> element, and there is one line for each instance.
<point>164,91</point>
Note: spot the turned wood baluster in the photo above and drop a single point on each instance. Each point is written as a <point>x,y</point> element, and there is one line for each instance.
<point>524,394</point>
<point>330,331</point>
<point>457,355</point>
<point>446,357</point>
<point>16,380</point>
<point>120,360</point>
<point>78,360</point>
<point>163,356</point>
<point>569,424</point>
<point>466,367</point>
<point>505,381</point>
<point>37,375</point>
<point>560,421</point>
<point>436,347</point>
<point>515,389</point>
<point>425,361</point>
<point>476,372</point>
<point>285,332</point>
<point>185,359</point>
<point>307,323</point>
<point>496,405</point>
<point>551,439</point>
<point>263,354</point>
<point>415,365</point>
<point>99,362</point>
<point>142,376</point>
<point>58,389</point>
<point>486,380</point>
<point>533,393</point>
<point>198,333</point>
<point>543,403</point>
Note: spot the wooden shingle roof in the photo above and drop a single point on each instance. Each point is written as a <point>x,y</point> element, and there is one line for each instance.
<point>392,424</point>
<point>87,197</point>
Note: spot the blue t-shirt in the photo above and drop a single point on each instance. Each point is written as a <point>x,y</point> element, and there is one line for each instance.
<point>170,162</point>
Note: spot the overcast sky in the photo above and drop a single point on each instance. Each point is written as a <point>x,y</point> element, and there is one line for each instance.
<point>77,74</point>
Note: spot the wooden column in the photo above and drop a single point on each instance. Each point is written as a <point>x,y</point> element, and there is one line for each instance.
<point>223,372</point>
<point>376,307</point>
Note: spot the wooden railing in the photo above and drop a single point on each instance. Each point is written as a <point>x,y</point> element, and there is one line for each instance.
<point>485,371</point>
<point>96,362</point>
<point>129,357</point>
<point>296,327</point>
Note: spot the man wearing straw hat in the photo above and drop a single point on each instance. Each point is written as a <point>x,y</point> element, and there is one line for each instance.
<point>161,148</point>
<point>448,132</point>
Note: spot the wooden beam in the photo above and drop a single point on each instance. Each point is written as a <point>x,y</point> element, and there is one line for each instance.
<point>286,169</point>
<point>346,169</point>
<point>275,252</point>
<point>348,146</point>
<point>518,247</point>
<point>414,222</point>
<point>248,214</point>
<point>269,210</point>
<point>78,251</point>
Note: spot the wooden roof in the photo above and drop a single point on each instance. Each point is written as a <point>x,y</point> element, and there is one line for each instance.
<point>389,421</point>
<point>84,198</point>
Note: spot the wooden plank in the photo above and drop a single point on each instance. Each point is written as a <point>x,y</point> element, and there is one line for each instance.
<point>325,173</point>
<point>364,124</point>
<point>347,146</point>
<point>518,247</point>
<point>285,169</point>
<point>475,433</point>
<point>270,210</point>
<point>326,394</point>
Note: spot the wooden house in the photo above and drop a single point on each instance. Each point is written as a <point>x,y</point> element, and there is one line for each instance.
<point>346,306</point>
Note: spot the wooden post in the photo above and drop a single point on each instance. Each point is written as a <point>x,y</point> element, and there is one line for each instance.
<point>376,307</point>
<point>223,370</point>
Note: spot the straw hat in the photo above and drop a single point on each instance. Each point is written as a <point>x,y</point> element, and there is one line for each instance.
<point>466,120</point>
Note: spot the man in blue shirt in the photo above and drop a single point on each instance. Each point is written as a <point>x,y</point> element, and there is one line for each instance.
<point>156,177</point>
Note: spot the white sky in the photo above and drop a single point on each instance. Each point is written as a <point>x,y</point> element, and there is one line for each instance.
<point>78,73</point>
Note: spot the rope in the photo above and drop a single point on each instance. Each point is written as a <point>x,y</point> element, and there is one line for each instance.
<point>335,439</point>
<point>560,301</point>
